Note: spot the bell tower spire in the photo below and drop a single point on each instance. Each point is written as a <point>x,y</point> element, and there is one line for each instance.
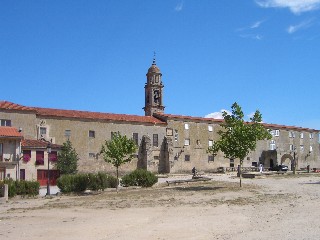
<point>153,90</point>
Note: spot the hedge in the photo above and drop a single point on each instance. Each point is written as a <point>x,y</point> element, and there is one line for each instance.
<point>21,187</point>
<point>139,177</point>
<point>85,181</point>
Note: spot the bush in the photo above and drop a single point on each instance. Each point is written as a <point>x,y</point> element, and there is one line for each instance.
<point>82,182</point>
<point>29,188</point>
<point>111,182</point>
<point>139,177</point>
<point>66,183</point>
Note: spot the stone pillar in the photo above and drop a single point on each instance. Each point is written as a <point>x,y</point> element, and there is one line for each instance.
<point>6,192</point>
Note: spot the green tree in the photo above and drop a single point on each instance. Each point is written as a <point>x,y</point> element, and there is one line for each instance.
<point>237,137</point>
<point>117,151</point>
<point>67,162</point>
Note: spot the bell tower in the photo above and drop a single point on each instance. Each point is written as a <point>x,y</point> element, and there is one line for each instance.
<point>153,90</point>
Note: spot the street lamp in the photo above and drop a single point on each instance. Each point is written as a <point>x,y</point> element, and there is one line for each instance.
<point>48,174</point>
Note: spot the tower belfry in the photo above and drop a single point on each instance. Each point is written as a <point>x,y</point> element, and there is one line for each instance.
<point>153,90</point>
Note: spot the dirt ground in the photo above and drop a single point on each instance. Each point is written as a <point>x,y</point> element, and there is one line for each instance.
<point>266,207</point>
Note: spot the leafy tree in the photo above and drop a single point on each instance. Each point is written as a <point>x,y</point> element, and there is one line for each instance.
<point>237,137</point>
<point>67,162</point>
<point>117,151</point>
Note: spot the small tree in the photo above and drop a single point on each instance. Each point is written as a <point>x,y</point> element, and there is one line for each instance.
<point>238,137</point>
<point>67,162</point>
<point>117,151</point>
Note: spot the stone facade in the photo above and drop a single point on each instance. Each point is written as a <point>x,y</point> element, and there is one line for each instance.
<point>166,143</point>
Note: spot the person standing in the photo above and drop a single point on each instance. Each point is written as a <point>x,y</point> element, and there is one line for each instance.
<point>261,167</point>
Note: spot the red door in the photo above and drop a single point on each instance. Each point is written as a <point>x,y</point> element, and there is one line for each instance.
<point>42,177</point>
<point>22,174</point>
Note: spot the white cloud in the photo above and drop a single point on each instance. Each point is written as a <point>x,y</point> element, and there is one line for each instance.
<point>248,31</point>
<point>303,25</point>
<point>250,115</point>
<point>179,7</point>
<point>295,6</point>
<point>217,115</point>
<point>252,36</point>
<point>256,24</point>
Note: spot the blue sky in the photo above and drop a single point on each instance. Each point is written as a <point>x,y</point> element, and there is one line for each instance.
<point>94,55</point>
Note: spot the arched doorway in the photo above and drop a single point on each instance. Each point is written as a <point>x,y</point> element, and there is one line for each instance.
<point>268,158</point>
<point>287,159</point>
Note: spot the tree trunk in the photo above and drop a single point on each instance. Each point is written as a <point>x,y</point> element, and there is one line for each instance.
<point>117,179</point>
<point>240,173</point>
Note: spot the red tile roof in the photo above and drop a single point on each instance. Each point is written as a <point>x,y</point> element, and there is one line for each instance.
<point>201,119</point>
<point>13,106</point>
<point>50,112</point>
<point>277,126</point>
<point>160,118</point>
<point>10,132</point>
<point>195,119</point>
<point>28,143</point>
<point>97,116</point>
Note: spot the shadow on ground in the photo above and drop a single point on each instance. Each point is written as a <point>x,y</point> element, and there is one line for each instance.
<point>197,188</point>
<point>311,183</point>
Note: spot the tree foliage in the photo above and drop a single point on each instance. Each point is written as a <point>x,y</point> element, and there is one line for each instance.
<point>237,137</point>
<point>67,162</point>
<point>118,150</point>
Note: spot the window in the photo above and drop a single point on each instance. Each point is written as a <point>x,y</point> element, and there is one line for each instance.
<point>39,157</point>
<point>43,131</point>
<point>301,148</point>
<point>272,145</point>
<point>155,157</point>
<point>186,126</point>
<point>311,135</point>
<point>210,158</point>
<point>231,162</point>
<point>187,142</point>
<point>26,155</point>
<point>254,164</point>
<point>135,138</point>
<point>53,156</point>
<point>292,135</point>
<point>6,122</point>
<point>176,135</point>
<point>210,128</point>
<point>155,140</point>
<point>301,135</point>
<point>187,158</point>
<point>92,134</point>
<point>275,133</point>
<point>67,133</point>
<point>291,147</point>
<point>92,155</point>
<point>113,134</point>
<point>210,143</point>
<point>169,131</point>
